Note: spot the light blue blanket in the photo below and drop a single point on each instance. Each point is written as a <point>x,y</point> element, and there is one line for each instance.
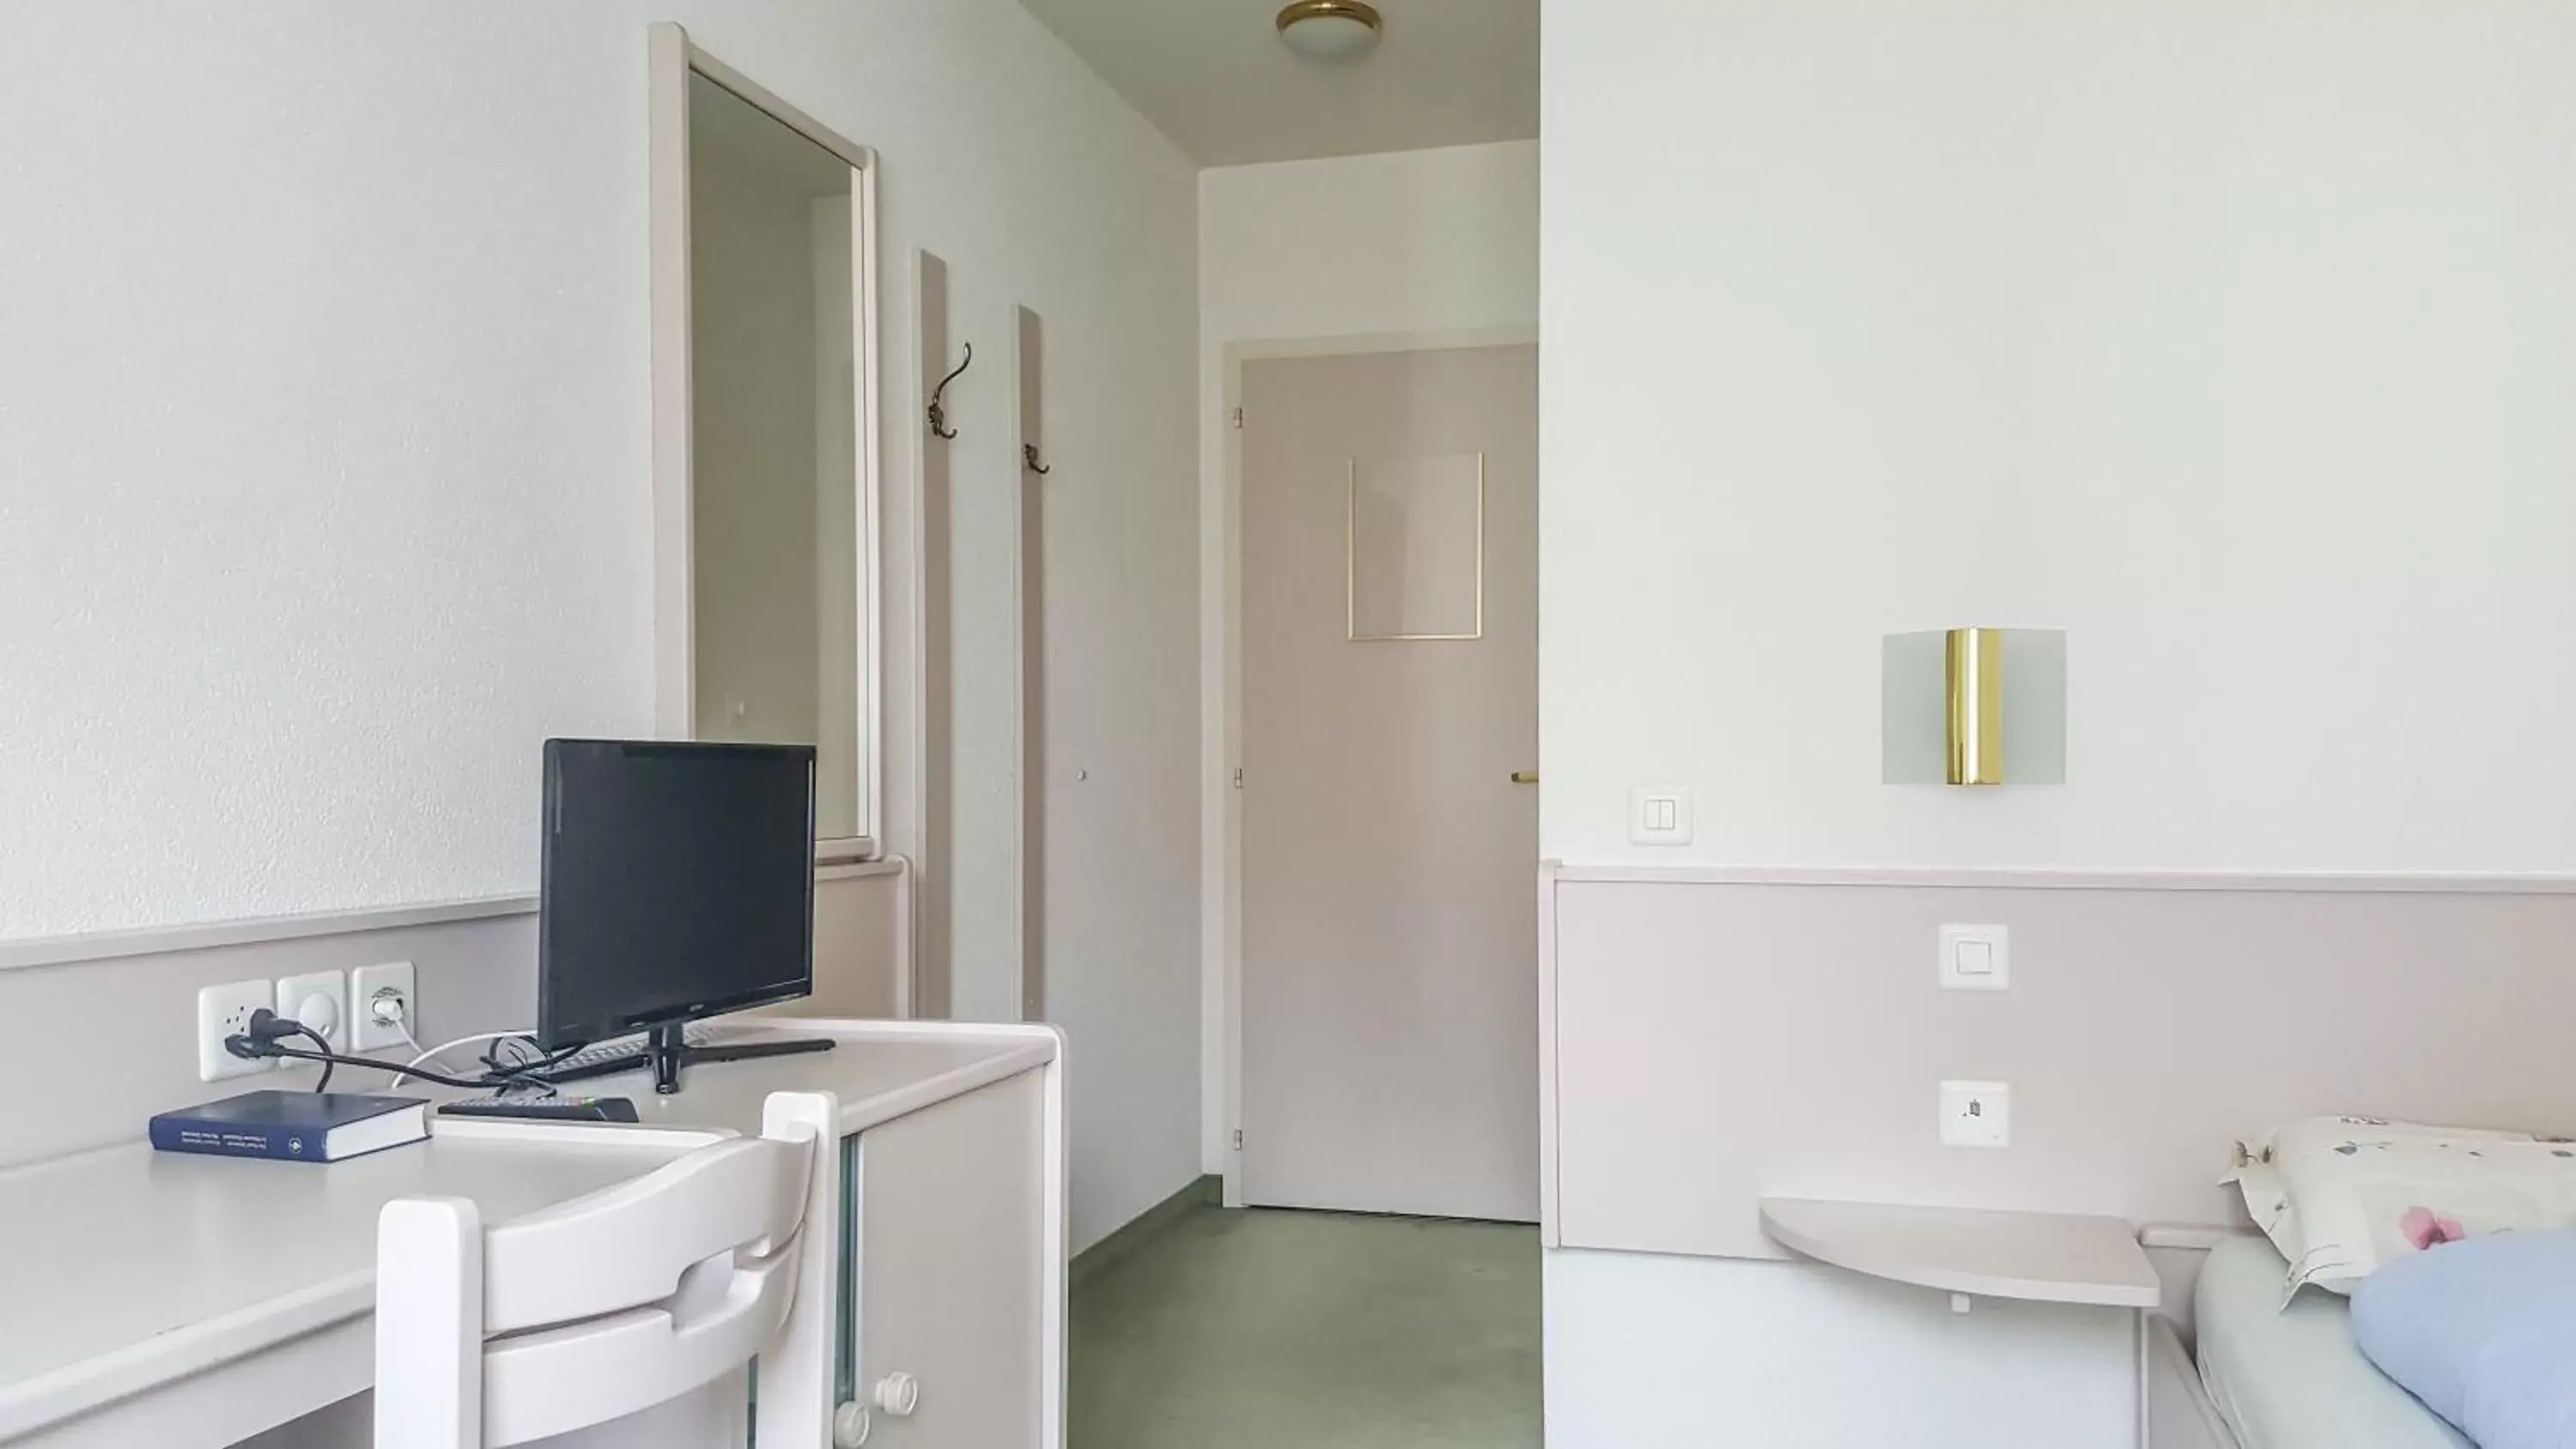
<point>2484,1332</point>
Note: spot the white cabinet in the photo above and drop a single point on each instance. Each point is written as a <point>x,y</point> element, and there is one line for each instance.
<point>945,1281</point>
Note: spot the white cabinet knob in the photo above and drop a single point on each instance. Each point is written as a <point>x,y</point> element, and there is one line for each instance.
<point>898,1393</point>
<point>850,1426</point>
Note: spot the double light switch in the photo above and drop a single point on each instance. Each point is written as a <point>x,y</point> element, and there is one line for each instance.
<point>1659,815</point>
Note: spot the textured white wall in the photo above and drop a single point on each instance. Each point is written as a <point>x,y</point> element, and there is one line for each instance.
<point>323,432</point>
<point>324,446</point>
<point>1410,242</point>
<point>2234,340</point>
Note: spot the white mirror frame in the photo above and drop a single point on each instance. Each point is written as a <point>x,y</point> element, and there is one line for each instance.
<point>672,57</point>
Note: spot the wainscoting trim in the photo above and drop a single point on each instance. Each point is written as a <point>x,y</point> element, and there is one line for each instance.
<point>163,940</point>
<point>2078,880</point>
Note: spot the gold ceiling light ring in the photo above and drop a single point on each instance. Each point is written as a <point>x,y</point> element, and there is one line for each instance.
<point>1330,29</point>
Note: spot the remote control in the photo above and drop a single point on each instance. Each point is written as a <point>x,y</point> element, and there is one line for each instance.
<point>545,1109</point>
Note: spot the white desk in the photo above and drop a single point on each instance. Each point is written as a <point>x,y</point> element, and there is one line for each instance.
<point>2037,1257</point>
<point>176,1300</point>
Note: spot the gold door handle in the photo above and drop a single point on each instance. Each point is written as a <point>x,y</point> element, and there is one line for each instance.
<point>1524,777</point>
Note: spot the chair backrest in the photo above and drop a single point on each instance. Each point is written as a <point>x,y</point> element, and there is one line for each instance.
<point>615,1303</point>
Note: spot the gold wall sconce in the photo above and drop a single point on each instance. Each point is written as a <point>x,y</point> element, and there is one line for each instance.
<point>1972,675</point>
<point>1974,707</point>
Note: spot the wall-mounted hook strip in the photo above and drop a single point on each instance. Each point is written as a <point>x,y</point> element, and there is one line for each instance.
<point>938,398</point>
<point>1029,460</point>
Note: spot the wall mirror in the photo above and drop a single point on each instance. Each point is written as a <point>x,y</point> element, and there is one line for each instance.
<point>765,430</point>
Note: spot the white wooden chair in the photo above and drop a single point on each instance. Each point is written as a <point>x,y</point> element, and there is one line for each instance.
<point>641,1306</point>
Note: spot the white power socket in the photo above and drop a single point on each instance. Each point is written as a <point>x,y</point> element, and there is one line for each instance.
<point>1976,1114</point>
<point>373,987</point>
<point>320,1000</point>
<point>224,1011</point>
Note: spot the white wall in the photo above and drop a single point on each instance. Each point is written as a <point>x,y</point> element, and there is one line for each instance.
<point>1441,242</point>
<point>1409,241</point>
<point>1679,1353</point>
<point>2234,340</point>
<point>325,435</point>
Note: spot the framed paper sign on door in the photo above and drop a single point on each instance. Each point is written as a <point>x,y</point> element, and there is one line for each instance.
<point>1416,548</point>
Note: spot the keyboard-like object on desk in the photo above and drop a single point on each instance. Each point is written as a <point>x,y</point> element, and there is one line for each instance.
<point>627,1053</point>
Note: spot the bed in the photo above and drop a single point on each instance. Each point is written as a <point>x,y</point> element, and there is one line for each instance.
<point>2269,1377</point>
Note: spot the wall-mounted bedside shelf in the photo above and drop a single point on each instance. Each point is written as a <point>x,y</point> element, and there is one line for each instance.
<point>2038,1257</point>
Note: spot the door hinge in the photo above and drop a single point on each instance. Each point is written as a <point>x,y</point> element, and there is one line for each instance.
<point>1238,418</point>
<point>1238,779</point>
<point>1238,1139</point>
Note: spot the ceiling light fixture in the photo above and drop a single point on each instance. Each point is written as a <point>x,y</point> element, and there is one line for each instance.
<point>1330,29</point>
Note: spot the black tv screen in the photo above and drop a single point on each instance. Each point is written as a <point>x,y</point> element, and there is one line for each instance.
<point>678,883</point>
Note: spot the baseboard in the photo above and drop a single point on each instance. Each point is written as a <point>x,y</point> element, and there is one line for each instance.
<point>1142,1229</point>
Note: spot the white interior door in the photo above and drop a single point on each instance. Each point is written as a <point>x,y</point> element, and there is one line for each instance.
<point>1390,693</point>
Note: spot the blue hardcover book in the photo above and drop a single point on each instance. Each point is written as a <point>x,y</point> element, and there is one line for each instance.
<point>294,1126</point>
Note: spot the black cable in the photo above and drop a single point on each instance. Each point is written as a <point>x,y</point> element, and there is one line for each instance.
<point>267,1027</point>
<point>526,1072</point>
<point>245,1046</point>
<point>519,1065</point>
<point>315,1037</point>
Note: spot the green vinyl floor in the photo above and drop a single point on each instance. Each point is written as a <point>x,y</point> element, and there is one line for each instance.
<point>1246,1329</point>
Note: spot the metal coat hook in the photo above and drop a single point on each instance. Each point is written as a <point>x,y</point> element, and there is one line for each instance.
<point>1029,460</point>
<point>938,406</point>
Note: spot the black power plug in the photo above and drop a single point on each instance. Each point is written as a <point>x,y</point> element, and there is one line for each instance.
<point>266,1030</point>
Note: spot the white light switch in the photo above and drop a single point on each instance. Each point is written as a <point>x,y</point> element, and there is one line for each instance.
<point>1976,1114</point>
<point>1976,958</point>
<point>1659,815</point>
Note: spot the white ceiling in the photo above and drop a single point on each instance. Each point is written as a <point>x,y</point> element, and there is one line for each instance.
<point>1213,76</point>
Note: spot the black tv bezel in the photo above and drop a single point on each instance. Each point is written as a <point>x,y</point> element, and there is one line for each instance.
<point>553,1035</point>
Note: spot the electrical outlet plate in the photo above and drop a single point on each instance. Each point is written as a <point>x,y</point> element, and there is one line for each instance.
<point>367,985</point>
<point>296,998</point>
<point>1976,1114</point>
<point>224,1011</point>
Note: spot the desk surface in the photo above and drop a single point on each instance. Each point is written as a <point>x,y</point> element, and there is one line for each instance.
<point>124,1268</point>
<point>880,1070</point>
<point>2042,1257</point>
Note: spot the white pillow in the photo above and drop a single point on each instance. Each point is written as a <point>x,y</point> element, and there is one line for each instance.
<point>2340,1196</point>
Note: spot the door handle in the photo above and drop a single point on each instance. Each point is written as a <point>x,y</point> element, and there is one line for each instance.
<point>1524,777</point>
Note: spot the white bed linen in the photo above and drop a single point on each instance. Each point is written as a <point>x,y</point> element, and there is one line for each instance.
<point>2290,1378</point>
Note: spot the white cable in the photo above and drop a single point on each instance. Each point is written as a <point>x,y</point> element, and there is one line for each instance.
<point>387,1008</point>
<point>424,1058</point>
